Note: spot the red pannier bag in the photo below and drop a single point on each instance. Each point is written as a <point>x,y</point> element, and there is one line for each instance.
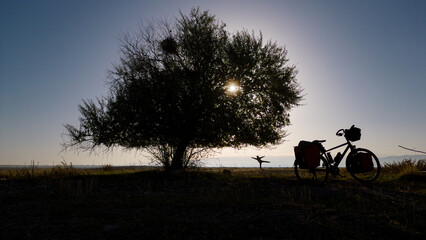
<point>307,155</point>
<point>363,163</point>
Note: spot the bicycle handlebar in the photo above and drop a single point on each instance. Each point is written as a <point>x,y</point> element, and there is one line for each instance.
<point>341,131</point>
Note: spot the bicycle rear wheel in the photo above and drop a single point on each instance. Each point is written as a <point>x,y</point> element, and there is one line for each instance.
<point>364,176</point>
<point>318,174</point>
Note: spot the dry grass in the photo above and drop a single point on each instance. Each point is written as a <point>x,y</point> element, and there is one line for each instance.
<point>406,169</point>
<point>205,204</point>
<point>64,170</point>
<point>398,167</point>
<point>220,203</point>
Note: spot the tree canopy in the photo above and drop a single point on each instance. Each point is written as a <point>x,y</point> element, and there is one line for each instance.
<point>183,88</point>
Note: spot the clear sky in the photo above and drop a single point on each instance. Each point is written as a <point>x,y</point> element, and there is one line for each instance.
<point>360,62</point>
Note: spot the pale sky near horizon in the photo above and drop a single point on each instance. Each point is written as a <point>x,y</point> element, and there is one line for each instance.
<point>359,62</point>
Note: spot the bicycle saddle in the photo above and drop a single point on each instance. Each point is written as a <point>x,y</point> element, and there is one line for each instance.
<point>319,141</point>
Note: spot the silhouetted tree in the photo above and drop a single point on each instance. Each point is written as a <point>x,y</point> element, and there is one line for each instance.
<point>185,88</point>
<point>259,159</point>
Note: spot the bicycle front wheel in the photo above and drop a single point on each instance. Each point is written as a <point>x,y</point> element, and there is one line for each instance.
<point>362,169</point>
<point>318,174</point>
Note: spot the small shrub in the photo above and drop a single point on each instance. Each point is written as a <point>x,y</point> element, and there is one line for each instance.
<point>64,170</point>
<point>107,168</point>
<point>421,165</point>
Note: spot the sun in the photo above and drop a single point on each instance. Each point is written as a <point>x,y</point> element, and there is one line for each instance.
<point>232,88</point>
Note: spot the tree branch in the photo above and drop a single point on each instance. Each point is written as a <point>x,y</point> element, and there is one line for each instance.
<point>409,149</point>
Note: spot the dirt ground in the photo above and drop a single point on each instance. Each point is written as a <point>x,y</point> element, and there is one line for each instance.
<point>203,205</point>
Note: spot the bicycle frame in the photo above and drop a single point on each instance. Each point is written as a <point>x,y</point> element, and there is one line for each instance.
<point>329,158</point>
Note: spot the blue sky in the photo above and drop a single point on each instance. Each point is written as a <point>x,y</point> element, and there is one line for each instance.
<point>359,62</point>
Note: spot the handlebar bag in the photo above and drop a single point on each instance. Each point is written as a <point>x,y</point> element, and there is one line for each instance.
<point>353,134</point>
<point>307,155</point>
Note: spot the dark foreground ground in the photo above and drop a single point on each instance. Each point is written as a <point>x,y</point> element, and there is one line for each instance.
<point>249,204</point>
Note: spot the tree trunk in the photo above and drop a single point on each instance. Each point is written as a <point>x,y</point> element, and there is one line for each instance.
<point>177,161</point>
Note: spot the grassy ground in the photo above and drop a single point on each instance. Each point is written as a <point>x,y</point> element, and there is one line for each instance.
<point>130,203</point>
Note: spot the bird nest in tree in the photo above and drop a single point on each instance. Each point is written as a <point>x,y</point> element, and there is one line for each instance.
<point>169,45</point>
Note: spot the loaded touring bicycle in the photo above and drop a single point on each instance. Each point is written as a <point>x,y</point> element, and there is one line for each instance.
<point>313,162</point>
